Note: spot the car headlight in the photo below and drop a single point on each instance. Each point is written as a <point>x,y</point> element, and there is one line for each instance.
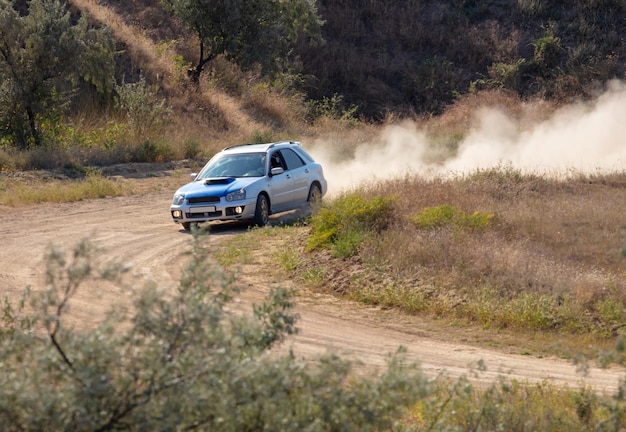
<point>178,199</point>
<point>236,196</point>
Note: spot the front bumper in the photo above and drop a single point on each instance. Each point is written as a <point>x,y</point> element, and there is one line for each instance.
<point>237,210</point>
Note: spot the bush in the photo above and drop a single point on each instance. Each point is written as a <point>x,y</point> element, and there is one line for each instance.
<point>345,225</point>
<point>177,360</point>
<point>146,114</point>
<point>447,215</point>
<point>192,149</point>
<point>152,151</point>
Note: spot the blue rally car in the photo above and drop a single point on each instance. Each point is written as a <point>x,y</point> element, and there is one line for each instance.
<point>250,182</point>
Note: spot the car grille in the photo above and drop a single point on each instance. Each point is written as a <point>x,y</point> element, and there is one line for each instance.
<point>204,200</point>
<point>203,215</point>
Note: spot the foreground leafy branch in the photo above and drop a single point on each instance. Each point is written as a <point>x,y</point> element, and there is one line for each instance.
<point>177,358</point>
<point>183,358</point>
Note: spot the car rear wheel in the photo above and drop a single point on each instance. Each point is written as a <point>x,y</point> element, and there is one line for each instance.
<point>314,199</point>
<point>262,213</point>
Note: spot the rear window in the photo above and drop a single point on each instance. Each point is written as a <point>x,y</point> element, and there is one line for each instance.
<point>303,154</point>
<point>292,160</point>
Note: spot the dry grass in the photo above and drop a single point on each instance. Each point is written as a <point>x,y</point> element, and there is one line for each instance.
<point>552,258</point>
<point>554,234</point>
<point>38,189</point>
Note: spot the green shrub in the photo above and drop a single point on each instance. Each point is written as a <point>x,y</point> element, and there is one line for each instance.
<point>192,149</point>
<point>314,276</point>
<point>343,226</point>
<point>435,217</point>
<point>333,108</point>
<point>152,151</point>
<point>546,49</point>
<point>146,113</point>
<point>262,136</point>
<point>511,405</point>
<point>506,75</point>
<point>178,359</point>
<point>525,311</point>
<point>477,221</point>
<point>611,311</point>
<point>288,259</point>
<point>532,311</point>
<point>7,159</point>
<point>447,215</point>
<point>347,245</point>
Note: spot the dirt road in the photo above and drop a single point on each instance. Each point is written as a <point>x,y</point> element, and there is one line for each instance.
<point>138,230</point>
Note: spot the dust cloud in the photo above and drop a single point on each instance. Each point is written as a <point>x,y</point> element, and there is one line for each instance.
<point>582,138</point>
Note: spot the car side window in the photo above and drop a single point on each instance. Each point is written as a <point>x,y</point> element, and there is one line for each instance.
<point>276,161</point>
<point>292,159</point>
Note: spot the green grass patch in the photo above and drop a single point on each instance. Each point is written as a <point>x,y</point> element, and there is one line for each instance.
<point>401,297</point>
<point>288,259</point>
<point>238,250</point>
<point>513,406</point>
<point>314,277</point>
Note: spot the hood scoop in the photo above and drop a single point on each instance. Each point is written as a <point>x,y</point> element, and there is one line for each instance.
<point>219,181</point>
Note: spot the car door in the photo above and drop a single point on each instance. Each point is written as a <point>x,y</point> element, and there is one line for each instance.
<point>281,186</point>
<point>299,175</point>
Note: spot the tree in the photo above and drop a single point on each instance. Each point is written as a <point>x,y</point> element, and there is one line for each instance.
<point>248,32</point>
<point>43,58</point>
<point>178,359</point>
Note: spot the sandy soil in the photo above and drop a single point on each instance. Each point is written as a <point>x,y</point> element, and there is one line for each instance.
<point>139,231</point>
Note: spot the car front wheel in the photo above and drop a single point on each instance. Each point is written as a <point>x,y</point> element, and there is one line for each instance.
<point>188,226</point>
<point>262,213</point>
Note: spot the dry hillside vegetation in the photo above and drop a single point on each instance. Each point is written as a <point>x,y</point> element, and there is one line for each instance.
<point>229,107</point>
<point>418,56</point>
<point>497,248</point>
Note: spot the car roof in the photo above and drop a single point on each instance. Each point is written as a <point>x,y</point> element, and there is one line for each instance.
<point>259,148</point>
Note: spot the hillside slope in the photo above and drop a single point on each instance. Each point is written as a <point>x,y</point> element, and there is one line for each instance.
<point>415,57</point>
<point>418,56</point>
<point>149,41</point>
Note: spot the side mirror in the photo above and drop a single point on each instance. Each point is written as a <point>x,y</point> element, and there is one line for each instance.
<point>193,176</point>
<point>276,171</point>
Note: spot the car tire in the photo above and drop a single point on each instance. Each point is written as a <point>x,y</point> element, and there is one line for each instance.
<point>315,199</point>
<point>262,212</point>
<point>188,226</point>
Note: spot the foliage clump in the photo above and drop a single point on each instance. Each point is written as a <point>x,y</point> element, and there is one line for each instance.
<point>44,58</point>
<point>448,215</point>
<point>255,33</point>
<point>179,358</point>
<point>146,114</point>
<point>344,225</point>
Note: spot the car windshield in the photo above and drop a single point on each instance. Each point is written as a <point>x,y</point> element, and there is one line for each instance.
<point>235,165</point>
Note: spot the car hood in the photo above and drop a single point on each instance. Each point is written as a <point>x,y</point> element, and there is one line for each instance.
<point>219,186</point>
